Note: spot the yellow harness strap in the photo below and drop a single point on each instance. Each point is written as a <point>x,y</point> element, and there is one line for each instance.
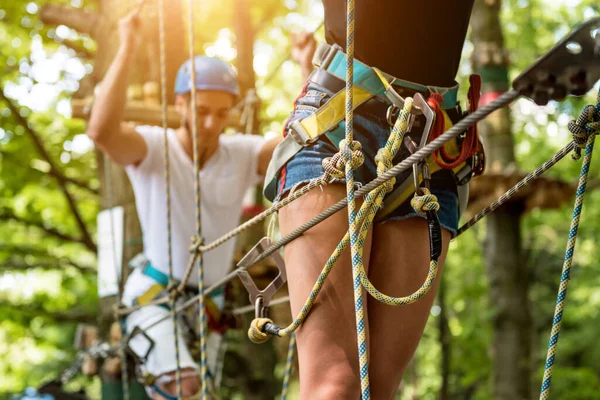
<point>150,294</point>
<point>328,116</point>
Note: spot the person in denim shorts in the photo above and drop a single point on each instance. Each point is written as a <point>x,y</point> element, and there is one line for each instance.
<point>415,42</point>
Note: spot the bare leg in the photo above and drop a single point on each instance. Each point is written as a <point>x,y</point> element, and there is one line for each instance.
<point>190,385</point>
<point>399,264</point>
<point>327,346</point>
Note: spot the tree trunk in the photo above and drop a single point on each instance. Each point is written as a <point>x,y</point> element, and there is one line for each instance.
<point>507,273</point>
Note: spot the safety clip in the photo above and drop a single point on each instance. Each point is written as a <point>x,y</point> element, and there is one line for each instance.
<point>139,345</point>
<point>261,298</point>
<point>421,168</point>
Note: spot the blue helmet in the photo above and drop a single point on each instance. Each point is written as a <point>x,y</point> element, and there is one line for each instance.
<point>211,74</point>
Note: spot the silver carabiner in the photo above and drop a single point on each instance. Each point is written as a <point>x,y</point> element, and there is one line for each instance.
<point>263,296</point>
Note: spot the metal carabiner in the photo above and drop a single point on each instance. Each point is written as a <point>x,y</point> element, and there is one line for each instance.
<point>261,297</point>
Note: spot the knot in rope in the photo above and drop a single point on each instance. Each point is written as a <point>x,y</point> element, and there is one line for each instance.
<point>256,333</point>
<point>173,290</point>
<point>384,161</point>
<point>586,125</point>
<point>197,242</point>
<point>425,202</point>
<point>335,166</point>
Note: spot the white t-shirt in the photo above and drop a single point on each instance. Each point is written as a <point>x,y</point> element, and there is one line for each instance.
<point>224,180</point>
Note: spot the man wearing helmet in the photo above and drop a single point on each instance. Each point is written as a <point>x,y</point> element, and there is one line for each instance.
<point>229,165</point>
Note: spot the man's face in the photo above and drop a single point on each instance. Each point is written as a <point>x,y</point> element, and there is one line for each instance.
<point>212,112</point>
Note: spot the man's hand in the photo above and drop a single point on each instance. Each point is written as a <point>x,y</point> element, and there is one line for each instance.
<point>303,49</point>
<point>118,141</point>
<point>129,30</point>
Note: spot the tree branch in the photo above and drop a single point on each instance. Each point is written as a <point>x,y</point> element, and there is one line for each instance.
<point>23,250</point>
<point>18,162</point>
<point>75,182</point>
<point>6,215</point>
<point>81,21</point>
<point>17,265</point>
<point>28,311</point>
<point>86,238</point>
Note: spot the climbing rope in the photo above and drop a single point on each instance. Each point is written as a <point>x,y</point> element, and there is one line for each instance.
<point>201,310</point>
<point>164,112</point>
<point>118,275</point>
<point>359,222</point>
<point>584,131</point>
<point>364,216</point>
<point>421,153</point>
<point>198,246</point>
<point>289,363</point>
<point>517,188</point>
<point>353,161</point>
<point>389,174</point>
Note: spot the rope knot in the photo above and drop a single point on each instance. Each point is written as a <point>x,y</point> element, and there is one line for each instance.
<point>586,125</point>
<point>196,244</point>
<point>335,166</point>
<point>256,333</point>
<point>384,160</point>
<point>425,202</point>
<point>173,290</point>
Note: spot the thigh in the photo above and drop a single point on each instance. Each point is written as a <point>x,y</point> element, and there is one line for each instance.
<point>327,343</point>
<point>399,265</point>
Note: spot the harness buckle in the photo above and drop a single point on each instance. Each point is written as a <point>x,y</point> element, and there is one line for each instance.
<point>138,261</point>
<point>464,175</point>
<point>261,298</point>
<point>138,351</point>
<point>325,54</point>
<point>300,135</point>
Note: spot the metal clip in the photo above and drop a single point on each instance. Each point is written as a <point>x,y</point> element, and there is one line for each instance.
<point>421,168</point>
<point>327,58</point>
<point>138,335</point>
<point>261,298</point>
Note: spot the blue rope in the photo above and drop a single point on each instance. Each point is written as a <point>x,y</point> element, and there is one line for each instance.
<point>348,146</point>
<point>288,366</point>
<point>584,132</point>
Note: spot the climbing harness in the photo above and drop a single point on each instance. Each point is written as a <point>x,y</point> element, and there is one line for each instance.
<point>371,83</point>
<point>560,73</point>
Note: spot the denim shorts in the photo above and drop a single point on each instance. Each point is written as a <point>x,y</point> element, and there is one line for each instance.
<point>371,129</point>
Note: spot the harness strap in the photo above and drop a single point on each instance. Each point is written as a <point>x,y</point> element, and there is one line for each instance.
<point>329,118</point>
<point>156,291</point>
<point>332,59</point>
